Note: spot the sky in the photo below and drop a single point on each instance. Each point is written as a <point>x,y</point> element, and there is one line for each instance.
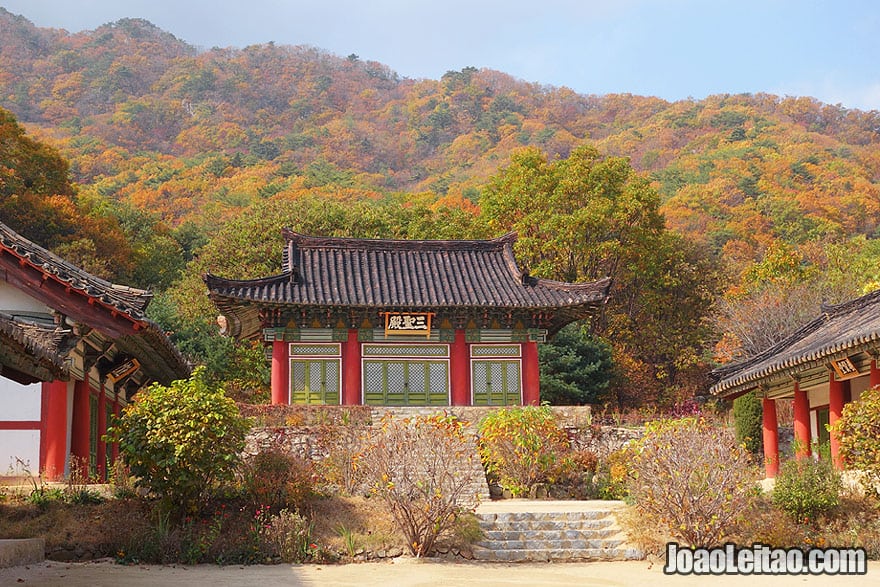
<point>672,49</point>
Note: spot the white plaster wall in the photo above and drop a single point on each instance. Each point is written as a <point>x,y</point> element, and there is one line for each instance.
<point>12,298</point>
<point>24,444</point>
<point>19,402</point>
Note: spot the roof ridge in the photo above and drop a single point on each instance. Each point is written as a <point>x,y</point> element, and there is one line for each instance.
<point>344,242</point>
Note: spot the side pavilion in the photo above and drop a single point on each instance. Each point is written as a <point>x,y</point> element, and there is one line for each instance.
<point>74,349</point>
<point>396,322</point>
<point>824,365</point>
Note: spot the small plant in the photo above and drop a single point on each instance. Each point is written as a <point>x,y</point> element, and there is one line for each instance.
<point>349,539</point>
<point>692,478</point>
<point>521,447</point>
<point>121,481</point>
<point>807,487</point>
<point>290,535</point>
<point>77,489</point>
<point>422,469</point>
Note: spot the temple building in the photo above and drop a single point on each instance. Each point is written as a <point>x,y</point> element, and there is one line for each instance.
<point>74,349</point>
<point>821,367</point>
<point>395,322</point>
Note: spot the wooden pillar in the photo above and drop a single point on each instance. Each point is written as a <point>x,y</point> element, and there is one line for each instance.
<point>351,369</point>
<point>101,465</point>
<point>801,422</point>
<point>53,431</point>
<point>280,373</point>
<point>80,424</point>
<point>531,374</point>
<point>874,377</point>
<point>460,370</point>
<point>836,398</point>
<point>771,438</point>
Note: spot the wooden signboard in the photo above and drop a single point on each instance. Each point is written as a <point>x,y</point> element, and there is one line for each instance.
<point>844,369</point>
<point>418,323</point>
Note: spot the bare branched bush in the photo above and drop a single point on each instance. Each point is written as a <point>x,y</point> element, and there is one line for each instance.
<point>693,478</point>
<point>424,470</point>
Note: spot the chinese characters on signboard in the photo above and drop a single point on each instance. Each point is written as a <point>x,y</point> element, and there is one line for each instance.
<point>408,323</point>
<point>844,368</point>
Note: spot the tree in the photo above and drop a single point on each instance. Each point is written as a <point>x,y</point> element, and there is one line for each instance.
<point>591,216</point>
<point>576,368</point>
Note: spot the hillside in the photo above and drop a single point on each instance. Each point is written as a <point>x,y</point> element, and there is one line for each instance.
<point>147,119</point>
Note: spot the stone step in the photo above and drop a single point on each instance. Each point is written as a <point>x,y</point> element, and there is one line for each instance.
<point>568,534</point>
<point>547,525</point>
<point>574,516</point>
<point>550,554</point>
<point>550,544</point>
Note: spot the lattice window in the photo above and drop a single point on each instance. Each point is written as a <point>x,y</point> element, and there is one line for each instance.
<point>406,382</point>
<point>315,350</point>
<point>400,350</point>
<point>495,350</point>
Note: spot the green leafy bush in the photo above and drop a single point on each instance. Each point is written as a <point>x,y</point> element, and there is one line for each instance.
<point>748,421</point>
<point>807,487</point>
<point>692,478</point>
<point>521,447</point>
<point>858,431</point>
<point>424,470</point>
<point>180,441</point>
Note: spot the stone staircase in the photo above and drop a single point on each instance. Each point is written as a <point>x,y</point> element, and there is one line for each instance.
<point>551,531</point>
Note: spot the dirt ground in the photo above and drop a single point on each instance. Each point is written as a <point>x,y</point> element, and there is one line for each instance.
<point>404,572</point>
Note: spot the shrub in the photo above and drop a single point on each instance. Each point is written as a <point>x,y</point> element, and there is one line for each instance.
<point>290,535</point>
<point>341,444</point>
<point>807,487</point>
<point>858,431</point>
<point>277,478</point>
<point>693,478</point>
<point>748,421</point>
<point>612,474</point>
<point>424,470</point>
<point>521,447</point>
<point>180,440</point>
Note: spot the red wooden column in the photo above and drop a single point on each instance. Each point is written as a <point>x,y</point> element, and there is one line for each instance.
<point>801,422</point>
<point>460,370</point>
<point>53,432</point>
<point>351,369</point>
<point>771,438</point>
<point>79,427</point>
<point>101,465</point>
<point>280,372</point>
<point>874,377</point>
<point>836,398</point>
<point>531,374</point>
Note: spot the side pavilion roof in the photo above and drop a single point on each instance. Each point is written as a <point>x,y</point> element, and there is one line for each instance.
<point>840,330</point>
<point>404,275</point>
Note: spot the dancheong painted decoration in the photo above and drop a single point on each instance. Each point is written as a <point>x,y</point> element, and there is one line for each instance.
<point>395,322</point>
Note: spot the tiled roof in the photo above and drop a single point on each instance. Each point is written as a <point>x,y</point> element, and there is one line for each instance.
<point>845,328</point>
<point>128,300</point>
<point>144,340</point>
<point>37,351</point>
<point>347,272</point>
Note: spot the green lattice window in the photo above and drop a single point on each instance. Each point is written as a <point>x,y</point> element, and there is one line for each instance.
<point>406,382</point>
<point>314,381</point>
<point>496,383</point>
